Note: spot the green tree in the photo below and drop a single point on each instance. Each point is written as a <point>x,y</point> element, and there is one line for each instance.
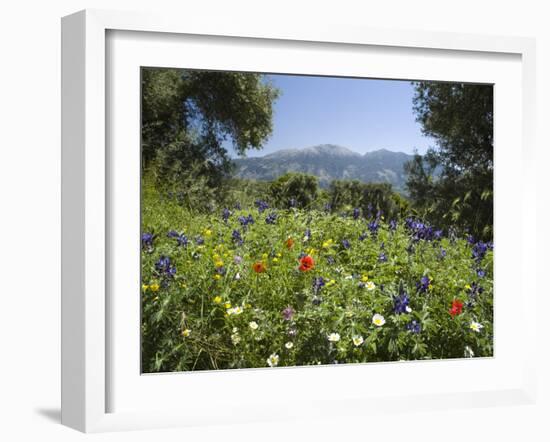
<point>453,183</point>
<point>294,189</point>
<point>189,117</point>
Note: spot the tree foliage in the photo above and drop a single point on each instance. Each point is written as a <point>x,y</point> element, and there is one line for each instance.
<point>371,198</point>
<point>190,117</point>
<point>294,190</point>
<point>453,183</point>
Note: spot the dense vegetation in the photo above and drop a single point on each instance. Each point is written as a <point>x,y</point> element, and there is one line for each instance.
<point>241,273</point>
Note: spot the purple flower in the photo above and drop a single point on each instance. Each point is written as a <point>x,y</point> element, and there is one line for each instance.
<point>346,244</point>
<point>318,283</point>
<point>331,260</point>
<point>237,206</point>
<point>356,213</point>
<point>400,303</point>
<point>226,213</point>
<point>442,253</point>
<point>373,227</point>
<point>363,236</point>
<point>307,235</point>
<point>382,257</point>
<point>423,285</point>
<point>180,237</point>
<point>199,240</point>
<point>480,273</point>
<point>164,266</point>
<point>414,326</point>
<point>147,240</point>
<point>261,205</point>
<point>236,236</point>
<point>237,259</point>
<point>393,224</point>
<point>479,250</point>
<point>246,220</point>
<point>288,313</point>
<point>271,218</point>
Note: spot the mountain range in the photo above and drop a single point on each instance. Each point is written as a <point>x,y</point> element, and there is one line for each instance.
<point>328,162</point>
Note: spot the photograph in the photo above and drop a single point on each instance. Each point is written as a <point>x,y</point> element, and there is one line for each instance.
<point>299,220</point>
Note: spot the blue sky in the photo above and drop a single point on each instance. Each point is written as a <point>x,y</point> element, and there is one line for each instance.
<point>360,114</point>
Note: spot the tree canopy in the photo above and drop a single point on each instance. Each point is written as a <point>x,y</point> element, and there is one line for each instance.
<point>189,118</point>
<point>453,182</point>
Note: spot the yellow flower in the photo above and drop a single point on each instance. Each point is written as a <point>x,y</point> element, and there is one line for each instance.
<point>365,278</point>
<point>217,276</point>
<point>275,260</point>
<point>207,232</point>
<point>370,286</point>
<point>264,256</point>
<point>216,257</point>
<point>357,340</point>
<point>156,298</point>
<point>328,244</point>
<point>144,287</point>
<point>467,286</point>
<point>217,300</point>
<point>219,263</point>
<point>279,255</point>
<point>185,333</point>
<point>330,282</point>
<point>311,251</point>
<point>154,287</point>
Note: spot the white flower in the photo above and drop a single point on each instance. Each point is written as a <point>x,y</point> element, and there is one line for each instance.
<point>378,320</point>
<point>348,277</point>
<point>289,345</point>
<point>185,333</point>
<point>238,276</point>
<point>273,360</point>
<point>476,326</point>
<point>235,338</point>
<point>235,329</point>
<point>253,325</point>
<point>334,337</point>
<point>369,285</point>
<point>408,309</point>
<point>235,310</point>
<point>468,352</point>
<point>357,340</point>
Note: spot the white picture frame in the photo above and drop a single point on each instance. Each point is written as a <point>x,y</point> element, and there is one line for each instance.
<point>87,356</point>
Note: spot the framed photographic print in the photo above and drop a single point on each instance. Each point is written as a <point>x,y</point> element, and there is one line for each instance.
<point>256,215</point>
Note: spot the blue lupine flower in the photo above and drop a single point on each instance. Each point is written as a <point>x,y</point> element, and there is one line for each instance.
<point>246,220</point>
<point>318,283</point>
<point>471,239</point>
<point>237,206</point>
<point>479,250</point>
<point>480,273</point>
<point>369,210</point>
<point>172,234</point>
<point>356,213</point>
<point>261,205</point>
<point>422,231</point>
<point>442,253</point>
<point>163,266</point>
<point>400,303</point>
<point>382,257</point>
<point>226,213</point>
<point>346,244</point>
<point>147,239</point>
<point>414,326</point>
<point>423,285</point>
<point>271,218</point>
<point>199,240</point>
<point>220,270</point>
<point>373,227</point>
<point>307,235</point>
<point>236,236</point>
<point>363,236</point>
<point>393,224</point>
<point>330,260</point>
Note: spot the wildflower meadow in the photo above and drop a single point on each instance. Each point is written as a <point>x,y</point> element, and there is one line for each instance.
<point>320,255</point>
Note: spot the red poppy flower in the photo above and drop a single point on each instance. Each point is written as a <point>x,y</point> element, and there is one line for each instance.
<point>259,267</point>
<point>306,264</point>
<point>456,308</point>
<point>289,243</point>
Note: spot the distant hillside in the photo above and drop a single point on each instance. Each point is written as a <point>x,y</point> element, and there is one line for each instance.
<point>328,162</point>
